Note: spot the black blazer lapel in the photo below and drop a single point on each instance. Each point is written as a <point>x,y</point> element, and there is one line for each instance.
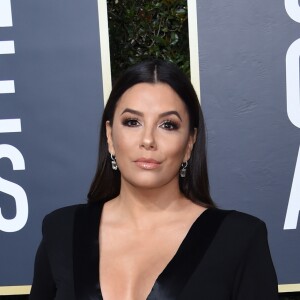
<point>86,252</point>
<point>175,276</point>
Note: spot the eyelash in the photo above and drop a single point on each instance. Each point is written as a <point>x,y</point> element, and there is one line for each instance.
<point>167,124</point>
<point>128,122</point>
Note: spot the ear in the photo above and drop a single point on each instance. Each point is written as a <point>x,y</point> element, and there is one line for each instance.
<point>111,148</point>
<point>190,145</point>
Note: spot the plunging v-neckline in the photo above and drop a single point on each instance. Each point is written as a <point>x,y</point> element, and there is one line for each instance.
<point>168,267</point>
<point>173,277</point>
<point>171,267</point>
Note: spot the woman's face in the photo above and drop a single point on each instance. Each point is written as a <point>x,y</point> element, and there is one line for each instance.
<point>150,135</point>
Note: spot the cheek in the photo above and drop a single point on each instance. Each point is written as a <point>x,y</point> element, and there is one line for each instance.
<point>176,148</point>
<point>122,142</point>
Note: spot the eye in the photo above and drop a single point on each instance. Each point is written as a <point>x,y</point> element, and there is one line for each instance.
<point>130,122</point>
<point>169,125</point>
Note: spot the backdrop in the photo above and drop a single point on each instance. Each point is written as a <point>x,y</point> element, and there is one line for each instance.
<point>50,107</point>
<point>249,71</point>
<point>51,101</point>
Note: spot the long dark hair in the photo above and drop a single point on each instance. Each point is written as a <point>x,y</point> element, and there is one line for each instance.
<point>195,186</point>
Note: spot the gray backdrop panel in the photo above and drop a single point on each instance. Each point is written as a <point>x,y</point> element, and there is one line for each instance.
<point>253,146</point>
<point>57,72</point>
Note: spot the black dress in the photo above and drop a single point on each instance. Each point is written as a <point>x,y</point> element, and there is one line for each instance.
<point>224,256</point>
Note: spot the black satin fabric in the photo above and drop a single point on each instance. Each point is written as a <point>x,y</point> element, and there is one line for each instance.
<point>86,252</point>
<point>224,256</point>
<point>172,279</point>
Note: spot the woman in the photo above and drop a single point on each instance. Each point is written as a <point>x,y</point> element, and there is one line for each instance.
<point>150,229</point>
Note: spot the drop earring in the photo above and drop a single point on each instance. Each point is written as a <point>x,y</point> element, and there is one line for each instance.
<point>114,165</point>
<point>182,172</point>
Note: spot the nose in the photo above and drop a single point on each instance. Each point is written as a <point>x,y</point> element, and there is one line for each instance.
<point>148,139</point>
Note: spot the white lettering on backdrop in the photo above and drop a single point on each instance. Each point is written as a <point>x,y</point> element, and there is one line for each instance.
<point>293,111</point>
<point>13,189</point>
<point>11,126</point>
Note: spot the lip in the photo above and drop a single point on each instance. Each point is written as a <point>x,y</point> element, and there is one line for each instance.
<point>147,163</point>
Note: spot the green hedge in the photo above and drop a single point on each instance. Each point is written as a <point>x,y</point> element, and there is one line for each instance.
<point>144,29</point>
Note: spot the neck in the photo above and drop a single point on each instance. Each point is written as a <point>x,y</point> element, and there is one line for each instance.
<point>143,207</point>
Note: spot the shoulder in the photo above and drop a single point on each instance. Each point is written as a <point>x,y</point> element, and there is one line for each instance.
<point>58,228</point>
<point>61,214</point>
<point>242,228</point>
<point>64,219</point>
<point>236,218</point>
<point>61,218</point>
<point>243,219</point>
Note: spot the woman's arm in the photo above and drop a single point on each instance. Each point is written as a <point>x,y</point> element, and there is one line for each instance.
<point>43,286</point>
<point>256,278</point>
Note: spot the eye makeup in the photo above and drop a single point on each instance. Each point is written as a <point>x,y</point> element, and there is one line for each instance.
<point>169,120</point>
<point>130,122</point>
<point>169,125</point>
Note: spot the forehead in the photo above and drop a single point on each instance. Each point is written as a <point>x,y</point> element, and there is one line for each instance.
<point>151,97</point>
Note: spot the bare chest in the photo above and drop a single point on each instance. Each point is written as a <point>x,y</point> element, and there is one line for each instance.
<point>131,261</point>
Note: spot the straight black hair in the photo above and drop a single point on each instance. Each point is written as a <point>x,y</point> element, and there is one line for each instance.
<point>195,186</point>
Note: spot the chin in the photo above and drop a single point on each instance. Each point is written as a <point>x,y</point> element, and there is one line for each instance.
<point>150,182</point>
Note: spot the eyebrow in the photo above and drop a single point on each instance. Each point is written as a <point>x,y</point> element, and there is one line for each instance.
<point>164,114</point>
